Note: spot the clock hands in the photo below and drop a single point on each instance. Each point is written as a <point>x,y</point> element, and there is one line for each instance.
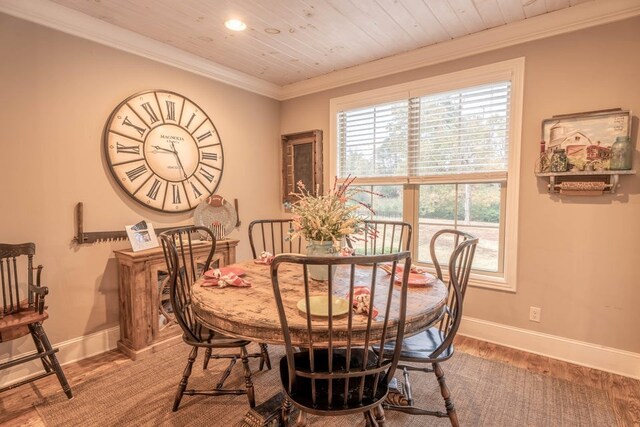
<point>157,147</point>
<point>175,153</point>
<point>178,159</point>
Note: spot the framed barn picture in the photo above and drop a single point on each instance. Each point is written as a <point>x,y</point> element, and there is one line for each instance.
<point>586,137</point>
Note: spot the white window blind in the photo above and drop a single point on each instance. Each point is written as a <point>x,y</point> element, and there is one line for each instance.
<point>372,141</point>
<point>453,133</point>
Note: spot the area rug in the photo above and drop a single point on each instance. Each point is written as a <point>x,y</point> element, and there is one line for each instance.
<point>486,393</point>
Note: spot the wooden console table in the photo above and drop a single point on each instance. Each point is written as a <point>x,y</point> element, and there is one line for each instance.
<point>139,298</point>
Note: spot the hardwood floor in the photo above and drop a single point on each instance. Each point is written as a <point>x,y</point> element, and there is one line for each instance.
<point>624,393</point>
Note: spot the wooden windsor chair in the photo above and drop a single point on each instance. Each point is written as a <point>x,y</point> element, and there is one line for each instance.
<point>23,312</point>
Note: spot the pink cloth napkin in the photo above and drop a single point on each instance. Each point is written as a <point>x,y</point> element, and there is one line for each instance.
<point>414,270</point>
<point>264,258</point>
<point>399,268</point>
<point>220,280</point>
<point>362,301</point>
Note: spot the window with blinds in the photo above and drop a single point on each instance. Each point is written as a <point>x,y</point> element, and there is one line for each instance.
<point>452,133</point>
<point>441,152</point>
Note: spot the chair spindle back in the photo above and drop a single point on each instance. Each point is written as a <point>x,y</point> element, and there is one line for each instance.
<point>272,235</point>
<point>17,296</point>
<point>183,273</point>
<point>459,264</point>
<point>382,237</point>
<point>327,380</point>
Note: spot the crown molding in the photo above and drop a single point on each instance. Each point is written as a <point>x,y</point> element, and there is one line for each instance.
<point>574,18</point>
<point>583,15</point>
<point>60,18</point>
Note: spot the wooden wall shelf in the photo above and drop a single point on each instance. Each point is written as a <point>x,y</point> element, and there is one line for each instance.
<point>609,177</point>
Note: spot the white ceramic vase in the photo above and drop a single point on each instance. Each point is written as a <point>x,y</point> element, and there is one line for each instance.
<point>320,248</point>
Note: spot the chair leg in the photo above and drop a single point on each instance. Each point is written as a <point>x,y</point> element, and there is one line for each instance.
<point>185,378</point>
<point>370,419</point>
<point>39,347</point>
<point>446,394</point>
<point>302,419</point>
<point>38,332</point>
<point>265,356</point>
<point>408,390</point>
<point>379,414</point>
<point>247,377</point>
<point>285,411</point>
<point>207,357</point>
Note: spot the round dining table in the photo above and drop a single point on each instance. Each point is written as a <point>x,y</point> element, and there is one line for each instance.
<point>251,313</point>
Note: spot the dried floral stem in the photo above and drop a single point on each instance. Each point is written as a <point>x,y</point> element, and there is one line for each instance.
<point>330,216</point>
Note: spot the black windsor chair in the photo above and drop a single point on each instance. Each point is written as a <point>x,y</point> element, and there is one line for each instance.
<point>435,345</point>
<point>184,271</point>
<point>338,376</point>
<point>272,235</point>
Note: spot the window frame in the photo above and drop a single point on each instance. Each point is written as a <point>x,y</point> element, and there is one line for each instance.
<point>512,70</point>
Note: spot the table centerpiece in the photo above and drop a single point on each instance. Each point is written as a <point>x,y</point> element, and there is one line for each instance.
<point>324,220</point>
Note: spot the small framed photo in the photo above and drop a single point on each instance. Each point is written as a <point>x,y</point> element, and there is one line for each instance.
<point>142,236</point>
<point>586,137</point>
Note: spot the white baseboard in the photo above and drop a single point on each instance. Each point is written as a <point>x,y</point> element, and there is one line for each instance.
<point>582,353</point>
<point>608,359</point>
<point>70,351</point>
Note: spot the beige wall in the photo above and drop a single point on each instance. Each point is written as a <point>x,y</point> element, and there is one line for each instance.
<point>578,257</point>
<point>57,93</point>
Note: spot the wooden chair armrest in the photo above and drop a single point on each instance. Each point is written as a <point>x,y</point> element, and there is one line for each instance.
<point>39,291</point>
<point>42,291</point>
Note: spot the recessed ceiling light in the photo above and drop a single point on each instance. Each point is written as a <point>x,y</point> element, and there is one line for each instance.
<point>235,25</point>
<point>272,31</point>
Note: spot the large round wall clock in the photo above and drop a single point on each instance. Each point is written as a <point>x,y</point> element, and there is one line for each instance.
<point>163,150</point>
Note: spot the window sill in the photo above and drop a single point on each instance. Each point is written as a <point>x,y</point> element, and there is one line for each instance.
<point>478,280</point>
<point>491,282</point>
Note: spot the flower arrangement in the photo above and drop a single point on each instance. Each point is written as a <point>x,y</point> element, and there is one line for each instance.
<point>328,217</point>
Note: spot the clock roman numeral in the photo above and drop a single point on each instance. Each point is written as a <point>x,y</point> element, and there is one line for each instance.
<point>153,191</point>
<point>190,120</point>
<point>127,122</point>
<point>206,174</point>
<point>171,110</point>
<point>128,149</point>
<point>196,192</point>
<point>176,193</point>
<point>204,136</point>
<point>152,114</point>
<point>209,156</point>
<point>133,174</point>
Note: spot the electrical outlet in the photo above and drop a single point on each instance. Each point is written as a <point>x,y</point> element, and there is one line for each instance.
<point>534,314</point>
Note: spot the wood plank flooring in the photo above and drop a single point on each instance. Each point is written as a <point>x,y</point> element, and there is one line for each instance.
<point>624,393</point>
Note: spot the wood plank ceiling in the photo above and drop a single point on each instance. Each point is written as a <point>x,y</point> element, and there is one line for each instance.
<point>288,41</point>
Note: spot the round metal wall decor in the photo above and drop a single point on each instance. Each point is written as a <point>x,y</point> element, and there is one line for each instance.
<point>163,150</point>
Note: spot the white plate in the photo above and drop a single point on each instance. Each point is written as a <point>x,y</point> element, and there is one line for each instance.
<point>205,214</point>
<point>320,307</point>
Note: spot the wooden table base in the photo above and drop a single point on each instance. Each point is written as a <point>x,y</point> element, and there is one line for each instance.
<point>268,414</point>
<point>396,395</point>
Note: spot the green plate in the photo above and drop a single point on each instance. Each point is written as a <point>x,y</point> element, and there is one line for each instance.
<point>320,307</point>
